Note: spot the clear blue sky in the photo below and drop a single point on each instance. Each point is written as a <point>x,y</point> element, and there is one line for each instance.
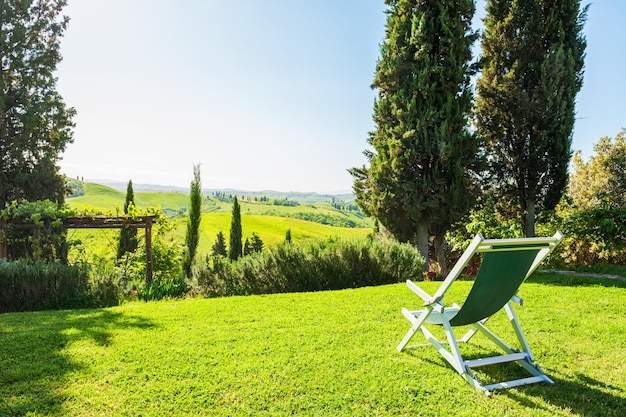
<point>270,94</point>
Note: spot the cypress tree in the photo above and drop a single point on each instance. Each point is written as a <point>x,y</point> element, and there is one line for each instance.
<point>532,69</point>
<point>247,248</point>
<point>257,243</point>
<point>417,180</point>
<point>235,247</point>
<point>128,236</point>
<point>192,236</point>
<point>219,247</point>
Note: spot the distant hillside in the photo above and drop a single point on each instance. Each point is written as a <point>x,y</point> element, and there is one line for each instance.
<point>268,217</point>
<point>326,210</point>
<point>301,197</point>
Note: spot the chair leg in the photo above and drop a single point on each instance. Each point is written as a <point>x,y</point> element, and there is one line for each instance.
<point>518,331</point>
<point>416,322</point>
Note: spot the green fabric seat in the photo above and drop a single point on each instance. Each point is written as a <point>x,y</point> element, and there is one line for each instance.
<point>506,263</point>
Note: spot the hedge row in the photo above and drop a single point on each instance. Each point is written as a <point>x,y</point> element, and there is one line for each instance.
<point>319,265</point>
<point>43,286</point>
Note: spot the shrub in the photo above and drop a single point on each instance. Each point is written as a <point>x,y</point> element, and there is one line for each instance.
<point>319,265</point>
<point>595,236</point>
<point>25,287</point>
<point>163,288</point>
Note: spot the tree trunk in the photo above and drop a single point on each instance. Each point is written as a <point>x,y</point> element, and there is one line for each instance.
<point>529,219</point>
<point>440,250</point>
<point>422,243</point>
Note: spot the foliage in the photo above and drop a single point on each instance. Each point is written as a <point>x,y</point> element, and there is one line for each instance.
<point>128,235</point>
<point>485,218</point>
<point>235,249</point>
<point>167,257</point>
<point>597,235</point>
<point>320,265</point>
<point>35,124</point>
<point>125,274</point>
<point>532,69</point>
<point>164,288</point>
<point>49,241</point>
<point>307,354</point>
<point>337,220</point>
<point>25,286</point>
<point>417,182</point>
<point>601,182</point>
<point>76,187</point>
<point>193,221</point>
<point>252,245</point>
<point>219,247</point>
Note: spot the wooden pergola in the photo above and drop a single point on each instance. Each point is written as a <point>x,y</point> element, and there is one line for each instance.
<point>85,222</point>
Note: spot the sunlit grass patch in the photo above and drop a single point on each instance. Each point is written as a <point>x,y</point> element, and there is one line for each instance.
<point>325,353</point>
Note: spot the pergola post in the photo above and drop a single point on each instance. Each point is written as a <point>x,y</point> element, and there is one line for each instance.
<point>148,250</point>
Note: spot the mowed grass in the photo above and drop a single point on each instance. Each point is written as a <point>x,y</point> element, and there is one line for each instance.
<point>312,354</point>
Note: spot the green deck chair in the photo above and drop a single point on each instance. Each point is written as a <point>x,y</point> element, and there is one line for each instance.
<point>505,265</point>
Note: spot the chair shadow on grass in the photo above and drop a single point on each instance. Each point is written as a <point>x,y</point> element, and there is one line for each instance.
<point>33,363</point>
<point>583,395</point>
<point>580,394</point>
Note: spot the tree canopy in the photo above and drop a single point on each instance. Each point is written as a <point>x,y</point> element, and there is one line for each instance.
<point>417,183</point>
<point>601,181</point>
<point>128,235</point>
<point>235,248</point>
<point>532,68</point>
<point>35,123</point>
<point>192,236</point>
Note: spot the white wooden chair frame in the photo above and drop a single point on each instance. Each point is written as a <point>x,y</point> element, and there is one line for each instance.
<point>434,312</point>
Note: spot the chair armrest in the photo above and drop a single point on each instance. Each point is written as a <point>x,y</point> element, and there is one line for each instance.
<point>420,292</point>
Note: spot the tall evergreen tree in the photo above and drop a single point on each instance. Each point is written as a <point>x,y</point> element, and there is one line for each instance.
<point>35,124</point>
<point>235,248</point>
<point>256,243</point>
<point>417,181</point>
<point>128,236</point>
<point>192,236</point>
<point>219,247</point>
<point>532,68</point>
<point>247,247</point>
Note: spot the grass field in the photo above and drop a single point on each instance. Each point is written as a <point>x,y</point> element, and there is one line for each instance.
<point>269,222</point>
<point>271,230</point>
<point>313,354</point>
<point>105,198</point>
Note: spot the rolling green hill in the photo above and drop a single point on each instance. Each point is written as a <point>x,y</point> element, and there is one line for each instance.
<point>174,204</point>
<point>268,220</point>
<point>105,198</point>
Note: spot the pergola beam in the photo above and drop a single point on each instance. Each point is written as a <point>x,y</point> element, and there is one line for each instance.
<point>86,222</point>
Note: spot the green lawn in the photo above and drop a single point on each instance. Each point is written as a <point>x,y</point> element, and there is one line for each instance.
<point>322,354</point>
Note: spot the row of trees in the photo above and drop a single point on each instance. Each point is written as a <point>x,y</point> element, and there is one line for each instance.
<point>235,249</point>
<point>427,164</point>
